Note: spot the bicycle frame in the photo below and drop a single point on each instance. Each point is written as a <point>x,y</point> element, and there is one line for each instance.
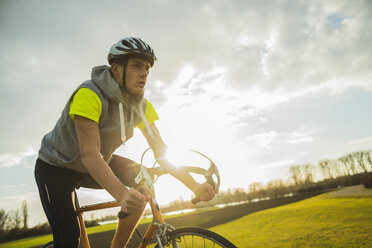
<point>157,218</point>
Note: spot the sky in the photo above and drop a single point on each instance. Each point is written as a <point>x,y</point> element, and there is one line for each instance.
<point>257,86</point>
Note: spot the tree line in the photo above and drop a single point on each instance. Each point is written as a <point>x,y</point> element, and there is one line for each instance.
<point>351,169</point>
<point>14,222</point>
<point>347,166</point>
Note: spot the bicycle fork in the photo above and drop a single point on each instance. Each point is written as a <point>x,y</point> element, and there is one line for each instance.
<point>162,230</point>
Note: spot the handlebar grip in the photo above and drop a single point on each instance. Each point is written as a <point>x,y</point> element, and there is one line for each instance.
<point>195,200</point>
<point>122,215</point>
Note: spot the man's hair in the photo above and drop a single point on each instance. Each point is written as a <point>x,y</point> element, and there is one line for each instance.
<point>120,61</point>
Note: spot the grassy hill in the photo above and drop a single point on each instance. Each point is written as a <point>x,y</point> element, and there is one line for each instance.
<point>327,220</point>
<point>101,236</point>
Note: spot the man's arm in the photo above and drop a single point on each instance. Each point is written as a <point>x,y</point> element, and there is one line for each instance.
<point>205,190</point>
<point>89,142</point>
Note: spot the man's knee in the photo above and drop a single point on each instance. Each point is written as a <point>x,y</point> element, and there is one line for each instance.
<point>125,169</point>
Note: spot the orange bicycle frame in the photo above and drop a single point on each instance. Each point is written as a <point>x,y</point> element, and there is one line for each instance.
<point>157,217</point>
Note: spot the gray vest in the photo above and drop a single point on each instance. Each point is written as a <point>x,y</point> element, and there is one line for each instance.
<point>60,147</point>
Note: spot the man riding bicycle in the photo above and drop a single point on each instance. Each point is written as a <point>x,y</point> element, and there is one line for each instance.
<point>99,116</point>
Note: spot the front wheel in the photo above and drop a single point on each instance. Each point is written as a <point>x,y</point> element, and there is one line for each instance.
<point>196,237</point>
<point>49,245</point>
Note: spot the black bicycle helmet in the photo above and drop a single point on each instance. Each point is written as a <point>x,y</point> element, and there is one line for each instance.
<point>131,47</point>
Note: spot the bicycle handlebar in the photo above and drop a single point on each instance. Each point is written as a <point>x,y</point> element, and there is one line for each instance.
<point>146,177</point>
<point>208,174</point>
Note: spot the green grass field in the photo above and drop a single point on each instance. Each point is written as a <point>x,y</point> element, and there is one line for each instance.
<point>41,240</point>
<point>322,221</point>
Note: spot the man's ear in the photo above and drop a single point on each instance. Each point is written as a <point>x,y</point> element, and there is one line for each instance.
<point>114,68</point>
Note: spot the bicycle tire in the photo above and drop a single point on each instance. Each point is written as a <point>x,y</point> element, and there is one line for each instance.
<point>185,237</point>
<point>49,245</point>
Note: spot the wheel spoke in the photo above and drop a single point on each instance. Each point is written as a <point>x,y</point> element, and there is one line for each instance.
<point>197,237</point>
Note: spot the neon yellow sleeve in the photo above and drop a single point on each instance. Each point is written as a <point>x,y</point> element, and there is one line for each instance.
<point>150,114</point>
<point>86,103</point>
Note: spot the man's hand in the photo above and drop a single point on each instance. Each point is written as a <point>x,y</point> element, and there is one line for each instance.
<point>205,191</point>
<point>134,201</point>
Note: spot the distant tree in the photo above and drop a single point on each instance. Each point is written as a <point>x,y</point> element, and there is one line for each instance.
<point>345,160</point>
<point>255,187</point>
<point>337,168</point>
<point>3,219</point>
<point>229,195</point>
<point>239,195</point>
<point>255,190</point>
<point>369,159</point>
<point>24,210</point>
<point>15,220</point>
<point>353,167</point>
<point>325,166</point>
<point>225,196</point>
<point>308,173</point>
<point>275,188</point>
<point>296,174</point>
<point>359,157</point>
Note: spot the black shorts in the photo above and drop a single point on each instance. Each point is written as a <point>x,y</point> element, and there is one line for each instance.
<point>56,187</point>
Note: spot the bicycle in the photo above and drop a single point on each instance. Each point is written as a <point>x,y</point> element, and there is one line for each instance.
<point>159,233</point>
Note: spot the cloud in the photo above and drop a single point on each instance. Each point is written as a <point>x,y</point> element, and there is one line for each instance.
<point>278,163</point>
<point>11,186</point>
<point>300,49</point>
<point>263,139</point>
<point>269,53</point>
<point>267,138</point>
<point>297,138</point>
<point>361,143</point>
<point>21,159</point>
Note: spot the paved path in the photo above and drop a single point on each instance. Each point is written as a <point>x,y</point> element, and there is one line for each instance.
<point>352,190</point>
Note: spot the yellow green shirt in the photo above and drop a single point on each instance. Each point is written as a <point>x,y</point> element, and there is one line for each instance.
<point>86,103</point>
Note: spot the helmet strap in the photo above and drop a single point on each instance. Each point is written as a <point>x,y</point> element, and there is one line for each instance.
<point>123,86</point>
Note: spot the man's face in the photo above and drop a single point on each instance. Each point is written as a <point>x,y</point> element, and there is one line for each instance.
<point>136,75</point>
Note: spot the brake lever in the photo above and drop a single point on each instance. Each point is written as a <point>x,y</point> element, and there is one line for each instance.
<point>209,178</point>
<point>142,179</point>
